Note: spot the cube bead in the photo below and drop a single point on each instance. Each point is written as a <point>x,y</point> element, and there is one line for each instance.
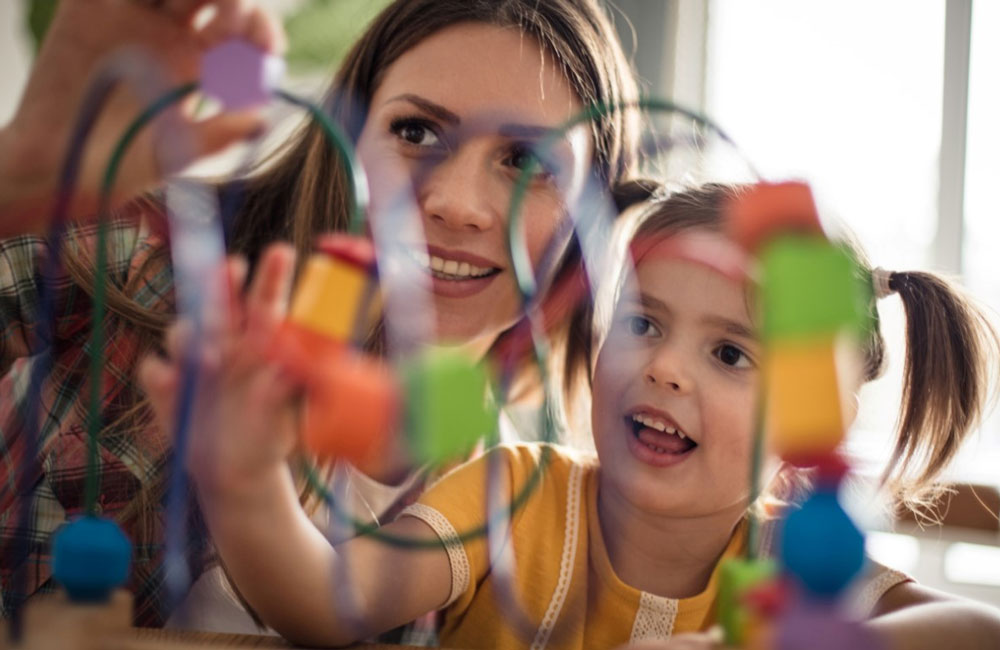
<point>352,407</point>
<point>737,577</point>
<point>448,409</point>
<point>810,287</point>
<point>804,412</point>
<point>337,295</point>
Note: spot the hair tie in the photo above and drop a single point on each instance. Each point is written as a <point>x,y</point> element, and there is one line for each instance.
<point>880,282</point>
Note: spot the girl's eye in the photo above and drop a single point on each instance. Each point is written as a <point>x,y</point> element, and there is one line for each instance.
<point>733,356</point>
<point>640,326</point>
<point>415,132</point>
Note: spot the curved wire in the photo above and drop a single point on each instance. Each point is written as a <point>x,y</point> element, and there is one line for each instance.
<point>528,285</point>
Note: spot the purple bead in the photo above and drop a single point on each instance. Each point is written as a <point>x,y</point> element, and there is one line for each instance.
<point>820,627</point>
<point>240,75</point>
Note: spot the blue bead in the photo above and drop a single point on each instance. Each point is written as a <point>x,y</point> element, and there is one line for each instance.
<point>90,558</point>
<point>821,546</point>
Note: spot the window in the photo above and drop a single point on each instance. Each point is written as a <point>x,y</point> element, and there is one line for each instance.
<point>849,97</point>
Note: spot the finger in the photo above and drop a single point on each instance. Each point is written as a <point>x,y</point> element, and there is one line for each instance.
<point>183,10</point>
<point>236,277</point>
<point>177,338</point>
<point>159,380</point>
<point>230,20</point>
<point>216,133</point>
<point>267,300</point>
<point>264,31</point>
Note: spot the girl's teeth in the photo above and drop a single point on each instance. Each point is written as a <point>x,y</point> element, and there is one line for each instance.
<point>463,268</point>
<point>437,263</point>
<point>450,267</point>
<point>652,423</point>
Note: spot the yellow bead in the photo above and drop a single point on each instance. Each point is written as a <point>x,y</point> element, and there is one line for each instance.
<point>329,295</point>
<point>804,412</point>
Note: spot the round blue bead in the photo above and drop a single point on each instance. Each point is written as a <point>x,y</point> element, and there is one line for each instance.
<point>90,558</point>
<point>821,546</point>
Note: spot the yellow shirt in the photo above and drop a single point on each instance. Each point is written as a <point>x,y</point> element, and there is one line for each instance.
<point>567,593</point>
<point>562,591</point>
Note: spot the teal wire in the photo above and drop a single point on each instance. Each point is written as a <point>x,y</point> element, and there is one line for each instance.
<point>521,261</point>
<point>92,484</point>
<point>359,181</point>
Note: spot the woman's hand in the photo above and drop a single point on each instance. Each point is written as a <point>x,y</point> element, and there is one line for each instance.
<point>244,420</point>
<point>82,35</point>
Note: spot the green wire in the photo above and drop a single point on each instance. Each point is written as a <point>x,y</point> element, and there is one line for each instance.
<point>92,485</point>
<point>524,273</point>
<point>358,208</point>
<point>359,182</point>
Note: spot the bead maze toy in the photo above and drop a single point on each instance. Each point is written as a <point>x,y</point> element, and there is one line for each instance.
<point>811,296</point>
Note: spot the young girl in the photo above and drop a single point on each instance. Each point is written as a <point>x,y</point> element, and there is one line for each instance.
<point>428,119</point>
<point>604,551</point>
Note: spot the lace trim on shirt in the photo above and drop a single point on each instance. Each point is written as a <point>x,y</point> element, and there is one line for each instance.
<point>655,618</point>
<point>459,561</point>
<point>570,538</point>
<point>875,588</point>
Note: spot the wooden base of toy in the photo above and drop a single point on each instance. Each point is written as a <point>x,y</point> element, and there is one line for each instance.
<point>52,622</point>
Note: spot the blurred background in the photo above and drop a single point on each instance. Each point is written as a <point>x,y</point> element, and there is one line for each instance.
<point>887,108</point>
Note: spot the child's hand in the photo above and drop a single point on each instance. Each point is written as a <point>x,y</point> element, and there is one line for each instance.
<point>82,35</point>
<point>244,421</point>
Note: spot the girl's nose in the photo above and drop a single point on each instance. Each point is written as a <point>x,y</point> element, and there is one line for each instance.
<point>458,193</point>
<point>667,368</point>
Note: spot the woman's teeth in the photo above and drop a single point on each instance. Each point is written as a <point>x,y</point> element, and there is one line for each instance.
<point>659,425</point>
<point>449,269</point>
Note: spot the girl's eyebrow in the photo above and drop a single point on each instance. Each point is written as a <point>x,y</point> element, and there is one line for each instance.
<point>426,105</point>
<point>730,326</point>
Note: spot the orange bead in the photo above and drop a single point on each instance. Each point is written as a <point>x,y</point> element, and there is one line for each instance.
<point>352,406</point>
<point>770,209</point>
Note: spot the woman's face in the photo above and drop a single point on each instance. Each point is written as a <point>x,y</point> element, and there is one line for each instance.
<point>449,125</point>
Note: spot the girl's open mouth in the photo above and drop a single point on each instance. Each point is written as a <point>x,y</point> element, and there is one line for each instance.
<point>656,441</point>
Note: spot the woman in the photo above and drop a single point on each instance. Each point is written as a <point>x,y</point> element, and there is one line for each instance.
<point>426,116</point>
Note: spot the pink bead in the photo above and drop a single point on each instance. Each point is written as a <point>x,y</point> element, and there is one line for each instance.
<point>240,75</point>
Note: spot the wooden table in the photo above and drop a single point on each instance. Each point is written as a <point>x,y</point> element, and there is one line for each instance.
<point>51,622</point>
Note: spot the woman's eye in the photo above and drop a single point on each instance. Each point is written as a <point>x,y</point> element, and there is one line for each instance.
<point>521,156</point>
<point>640,326</point>
<point>733,356</point>
<point>415,132</point>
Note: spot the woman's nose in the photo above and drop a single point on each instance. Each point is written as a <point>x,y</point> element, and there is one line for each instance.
<point>459,194</point>
<point>668,368</point>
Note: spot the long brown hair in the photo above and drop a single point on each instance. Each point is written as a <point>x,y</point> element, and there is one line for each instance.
<point>951,347</point>
<point>302,189</point>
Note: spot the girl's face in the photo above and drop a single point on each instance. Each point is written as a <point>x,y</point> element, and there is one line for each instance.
<point>450,124</point>
<point>674,390</point>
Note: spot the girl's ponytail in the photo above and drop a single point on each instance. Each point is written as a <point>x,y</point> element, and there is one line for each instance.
<point>951,350</point>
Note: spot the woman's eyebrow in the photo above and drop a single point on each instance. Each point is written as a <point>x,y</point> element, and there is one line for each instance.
<point>527,131</point>
<point>427,106</point>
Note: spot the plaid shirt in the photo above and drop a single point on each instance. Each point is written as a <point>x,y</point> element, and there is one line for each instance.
<point>134,453</point>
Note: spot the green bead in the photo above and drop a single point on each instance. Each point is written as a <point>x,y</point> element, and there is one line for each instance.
<point>736,577</point>
<point>448,406</point>
<point>812,287</point>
